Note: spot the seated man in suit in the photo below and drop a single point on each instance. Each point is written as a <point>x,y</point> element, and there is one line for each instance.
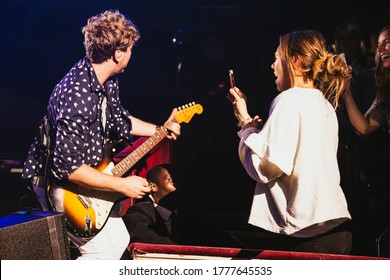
<point>165,217</point>
<point>150,220</point>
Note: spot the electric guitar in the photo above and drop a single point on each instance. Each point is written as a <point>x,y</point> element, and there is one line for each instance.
<point>87,210</point>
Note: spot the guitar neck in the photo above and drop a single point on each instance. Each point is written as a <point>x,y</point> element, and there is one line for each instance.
<point>129,161</point>
<point>184,114</point>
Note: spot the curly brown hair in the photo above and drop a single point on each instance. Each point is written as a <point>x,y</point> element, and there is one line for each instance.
<point>327,71</point>
<point>107,32</point>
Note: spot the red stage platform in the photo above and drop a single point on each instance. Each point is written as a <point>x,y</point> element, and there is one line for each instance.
<point>143,251</point>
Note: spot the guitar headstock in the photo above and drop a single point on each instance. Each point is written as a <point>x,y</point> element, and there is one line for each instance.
<point>186,112</point>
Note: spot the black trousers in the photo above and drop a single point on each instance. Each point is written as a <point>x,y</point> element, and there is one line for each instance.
<point>336,241</point>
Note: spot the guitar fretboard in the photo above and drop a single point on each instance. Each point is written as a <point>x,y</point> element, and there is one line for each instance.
<point>129,161</point>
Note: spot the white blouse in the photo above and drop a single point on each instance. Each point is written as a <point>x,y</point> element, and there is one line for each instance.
<point>301,138</point>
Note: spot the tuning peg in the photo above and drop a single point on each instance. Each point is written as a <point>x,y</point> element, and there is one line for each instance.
<point>185,106</point>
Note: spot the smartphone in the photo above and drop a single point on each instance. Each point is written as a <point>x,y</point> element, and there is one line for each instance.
<point>231,78</point>
<point>232,85</point>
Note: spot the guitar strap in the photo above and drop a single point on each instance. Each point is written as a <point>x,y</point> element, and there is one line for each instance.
<point>40,181</point>
<point>113,133</point>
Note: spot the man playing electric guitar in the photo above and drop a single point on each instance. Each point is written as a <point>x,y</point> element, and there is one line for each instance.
<point>84,112</point>
<point>86,210</point>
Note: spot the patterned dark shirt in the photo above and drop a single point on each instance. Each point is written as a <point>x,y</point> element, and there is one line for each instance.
<point>75,116</point>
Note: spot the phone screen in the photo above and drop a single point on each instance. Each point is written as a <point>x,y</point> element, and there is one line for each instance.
<point>231,78</point>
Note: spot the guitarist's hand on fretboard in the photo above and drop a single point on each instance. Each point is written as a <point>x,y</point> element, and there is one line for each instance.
<point>172,126</point>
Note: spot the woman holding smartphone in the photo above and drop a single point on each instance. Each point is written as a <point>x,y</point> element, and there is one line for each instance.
<point>293,156</point>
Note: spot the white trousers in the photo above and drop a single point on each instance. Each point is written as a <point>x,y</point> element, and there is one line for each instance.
<point>109,244</point>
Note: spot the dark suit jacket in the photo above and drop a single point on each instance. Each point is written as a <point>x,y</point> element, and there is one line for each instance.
<point>146,225</point>
<point>193,225</point>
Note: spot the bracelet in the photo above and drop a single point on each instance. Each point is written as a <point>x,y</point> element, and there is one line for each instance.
<point>246,121</point>
<point>157,128</point>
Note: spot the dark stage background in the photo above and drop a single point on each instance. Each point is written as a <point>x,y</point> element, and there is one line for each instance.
<point>41,40</point>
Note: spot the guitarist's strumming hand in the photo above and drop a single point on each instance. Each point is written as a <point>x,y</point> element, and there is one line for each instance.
<point>135,186</point>
<point>239,101</point>
<point>88,177</point>
<point>172,126</point>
